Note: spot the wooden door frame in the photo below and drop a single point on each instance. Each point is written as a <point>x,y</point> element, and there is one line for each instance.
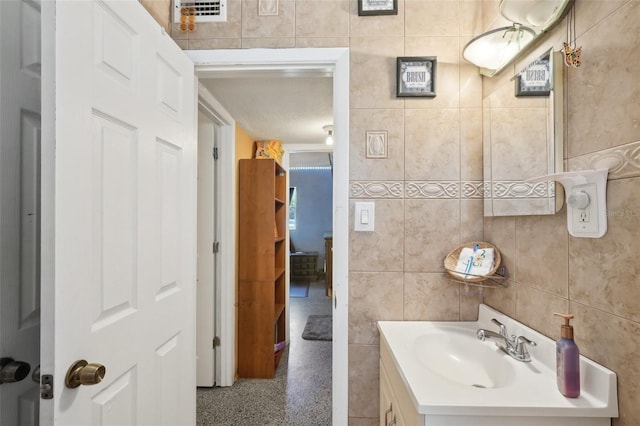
<point>226,216</point>
<point>334,61</point>
<point>206,269</point>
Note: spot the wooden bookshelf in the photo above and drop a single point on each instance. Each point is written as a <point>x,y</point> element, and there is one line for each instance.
<point>261,263</point>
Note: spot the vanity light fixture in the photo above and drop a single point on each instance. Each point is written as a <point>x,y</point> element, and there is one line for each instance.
<point>494,49</point>
<point>329,129</point>
<point>536,14</point>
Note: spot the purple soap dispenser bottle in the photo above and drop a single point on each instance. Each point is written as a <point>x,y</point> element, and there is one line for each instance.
<point>567,360</point>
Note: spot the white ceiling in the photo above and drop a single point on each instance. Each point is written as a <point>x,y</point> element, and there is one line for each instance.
<point>270,106</point>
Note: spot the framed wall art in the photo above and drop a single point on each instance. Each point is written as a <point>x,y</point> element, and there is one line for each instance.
<point>535,79</point>
<point>416,76</point>
<point>377,7</point>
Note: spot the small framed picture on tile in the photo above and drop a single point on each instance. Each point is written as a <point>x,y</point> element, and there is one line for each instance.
<point>377,7</point>
<point>535,79</point>
<point>416,76</point>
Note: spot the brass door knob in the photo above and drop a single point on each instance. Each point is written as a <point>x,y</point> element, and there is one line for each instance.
<point>83,373</point>
<point>12,371</point>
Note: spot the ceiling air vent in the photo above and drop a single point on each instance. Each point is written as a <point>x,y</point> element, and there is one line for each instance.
<point>202,10</point>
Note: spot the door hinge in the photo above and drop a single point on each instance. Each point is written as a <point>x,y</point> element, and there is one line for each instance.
<point>216,342</point>
<point>46,386</point>
<point>216,246</point>
<point>215,153</point>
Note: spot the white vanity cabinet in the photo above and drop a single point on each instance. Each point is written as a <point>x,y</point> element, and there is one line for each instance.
<point>396,408</point>
<point>390,414</point>
<point>388,417</point>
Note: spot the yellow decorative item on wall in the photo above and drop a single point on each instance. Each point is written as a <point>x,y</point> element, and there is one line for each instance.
<point>269,149</point>
<point>187,19</point>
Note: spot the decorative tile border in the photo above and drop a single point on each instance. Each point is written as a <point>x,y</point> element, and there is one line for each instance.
<point>476,190</point>
<point>519,189</point>
<point>486,189</point>
<point>376,189</point>
<point>418,189</point>
<point>472,189</point>
<point>430,189</point>
<point>622,161</point>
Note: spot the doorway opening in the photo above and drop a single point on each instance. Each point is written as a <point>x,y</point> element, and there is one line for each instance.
<point>212,64</point>
<point>310,173</point>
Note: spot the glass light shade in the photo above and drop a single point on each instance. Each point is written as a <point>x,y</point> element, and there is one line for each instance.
<point>538,14</point>
<point>329,129</point>
<point>496,48</point>
<point>329,139</point>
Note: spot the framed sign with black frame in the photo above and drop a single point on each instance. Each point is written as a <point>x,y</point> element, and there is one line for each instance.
<point>416,76</point>
<point>377,7</point>
<point>535,79</point>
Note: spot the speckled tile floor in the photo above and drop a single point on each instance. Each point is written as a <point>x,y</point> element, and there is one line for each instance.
<point>299,395</point>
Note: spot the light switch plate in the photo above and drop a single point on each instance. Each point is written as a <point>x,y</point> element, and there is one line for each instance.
<point>364,216</point>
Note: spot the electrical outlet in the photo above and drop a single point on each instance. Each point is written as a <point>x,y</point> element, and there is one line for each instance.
<point>583,215</point>
<point>585,221</point>
<point>586,192</point>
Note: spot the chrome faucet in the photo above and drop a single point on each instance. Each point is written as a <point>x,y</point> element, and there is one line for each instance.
<point>514,346</point>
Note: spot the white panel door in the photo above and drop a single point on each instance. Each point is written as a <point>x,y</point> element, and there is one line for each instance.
<point>19,209</point>
<point>121,247</point>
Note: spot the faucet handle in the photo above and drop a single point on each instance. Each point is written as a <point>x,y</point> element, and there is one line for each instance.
<point>521,340</point>
<point>521,350</point>
<point>503,328</point>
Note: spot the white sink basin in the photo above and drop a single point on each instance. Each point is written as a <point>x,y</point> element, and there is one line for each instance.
<point>449,372</point>
<point>457,355</point>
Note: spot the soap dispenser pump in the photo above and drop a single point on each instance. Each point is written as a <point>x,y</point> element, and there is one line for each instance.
<point>567,360</point>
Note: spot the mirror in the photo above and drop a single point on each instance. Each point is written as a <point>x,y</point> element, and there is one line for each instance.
<point>523,138</point>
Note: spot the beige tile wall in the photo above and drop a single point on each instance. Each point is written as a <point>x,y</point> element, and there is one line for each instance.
<point>598,280</point>
<point>435,148</point>
<point>160,10</point>
<point>428,192</point>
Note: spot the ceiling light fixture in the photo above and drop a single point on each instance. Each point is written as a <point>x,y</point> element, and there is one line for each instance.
<point>329,129</point>
<point>494,49</point>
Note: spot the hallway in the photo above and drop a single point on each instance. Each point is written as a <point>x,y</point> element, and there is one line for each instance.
<point>299,395</point>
